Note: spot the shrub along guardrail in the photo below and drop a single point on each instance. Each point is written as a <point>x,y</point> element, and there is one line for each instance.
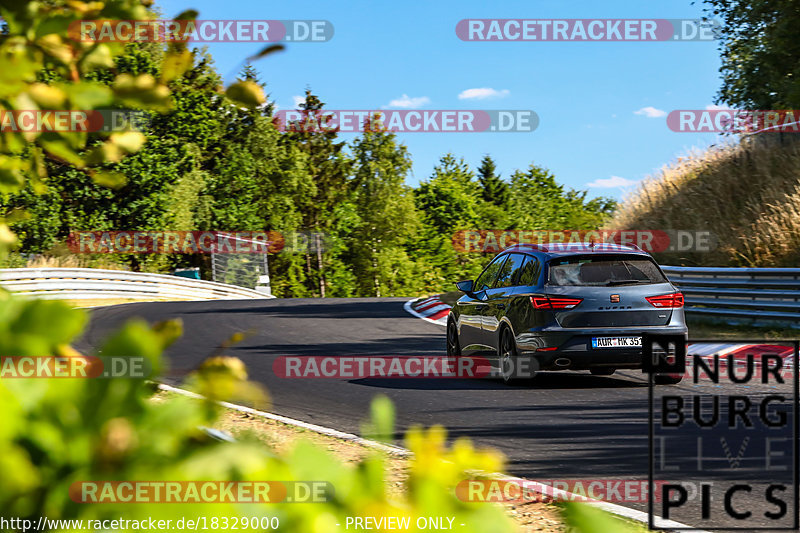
<point>93,283</point>
<point>750,293</point>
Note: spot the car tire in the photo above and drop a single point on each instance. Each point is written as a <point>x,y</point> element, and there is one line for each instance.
<point>602,371</point>
<point>453,346</point>
<point>507,355</point>
<point>666,379</point>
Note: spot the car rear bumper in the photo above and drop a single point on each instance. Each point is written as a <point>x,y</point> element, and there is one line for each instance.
<point>561,349</point>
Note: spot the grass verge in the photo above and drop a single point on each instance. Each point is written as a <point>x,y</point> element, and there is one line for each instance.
<point>700,328</point>
<point>105,302</point>
<point>280,438</point>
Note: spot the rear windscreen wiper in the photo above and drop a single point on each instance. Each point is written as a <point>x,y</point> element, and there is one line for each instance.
<point>626,281</point>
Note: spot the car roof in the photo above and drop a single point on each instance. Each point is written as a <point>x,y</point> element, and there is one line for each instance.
<point>557,249</point>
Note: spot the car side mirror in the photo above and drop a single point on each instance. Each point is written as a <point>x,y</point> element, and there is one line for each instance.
<point>465,286</point>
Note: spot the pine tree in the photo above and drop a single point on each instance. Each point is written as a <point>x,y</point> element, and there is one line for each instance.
<point>387,217</point>
<point>494,189</point>
<point>328,166</point>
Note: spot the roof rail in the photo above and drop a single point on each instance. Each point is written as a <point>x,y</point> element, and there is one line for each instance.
<point>561,246</point>
<point>540,247</point>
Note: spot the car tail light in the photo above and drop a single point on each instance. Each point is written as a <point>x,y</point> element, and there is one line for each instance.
<point>547,302</point>
<point>666,300</point>
<point>548,349</point>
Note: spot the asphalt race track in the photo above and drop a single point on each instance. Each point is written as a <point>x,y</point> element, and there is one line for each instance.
<point>559,425</point>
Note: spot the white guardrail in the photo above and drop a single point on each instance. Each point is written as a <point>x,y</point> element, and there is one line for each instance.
<point>97,284</point>
<point>752,293</point>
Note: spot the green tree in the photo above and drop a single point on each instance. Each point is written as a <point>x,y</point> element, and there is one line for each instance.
<point>387,217</point>
<point>494,189</point>
<point>760,53</point>
<point>329,167</point>
<point>538,202</point>
<point>495,195</point>
<point>450,201</point>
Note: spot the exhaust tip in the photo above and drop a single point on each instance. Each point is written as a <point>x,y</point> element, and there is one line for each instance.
<point>563,361</point>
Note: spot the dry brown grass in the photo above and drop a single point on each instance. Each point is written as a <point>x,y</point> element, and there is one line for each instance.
<point>747,194</point>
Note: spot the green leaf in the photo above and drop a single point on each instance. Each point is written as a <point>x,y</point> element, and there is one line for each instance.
<point>47,96</point>
<point>169,331</point>
<point>50,320</point>
<point>128,141</point>
<point>142,91</point>
<point>382,416</point>
<point>99,57</point>
<point>58,24</point>
<point>587,519</point>
<point>7,237</point>
<point>59,148</point>
<point>189,14</point>
<point>12,173</point>
<point>247,93</point>
<point>54,46</point>
<point>112,180</point>
<point>267,50</point>
<point>107,152</point>
<point>175,64</point>
<point>87,95</point>
<point>11,180</point>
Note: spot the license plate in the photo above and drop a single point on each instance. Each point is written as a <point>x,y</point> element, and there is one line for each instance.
<point>616,342</point>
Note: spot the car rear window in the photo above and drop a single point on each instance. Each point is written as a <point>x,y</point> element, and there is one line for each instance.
<point>603,271</point>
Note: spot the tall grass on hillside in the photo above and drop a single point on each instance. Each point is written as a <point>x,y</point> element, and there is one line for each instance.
<point>746,192</point>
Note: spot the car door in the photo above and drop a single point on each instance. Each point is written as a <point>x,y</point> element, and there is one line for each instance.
<point>520,311</point>
<point>471,307</point>
<point>498,299</point>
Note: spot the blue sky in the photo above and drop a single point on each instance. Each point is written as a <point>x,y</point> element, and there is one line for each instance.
<point>587,94</point>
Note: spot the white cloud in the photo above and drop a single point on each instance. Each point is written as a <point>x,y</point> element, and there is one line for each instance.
<point>651,112</point>
<point>298,100</point>
<point>483,93</point>
<point>612,182</point>
<point>406,101</point>
<point>715,107</point>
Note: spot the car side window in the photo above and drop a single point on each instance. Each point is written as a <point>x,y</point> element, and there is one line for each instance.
<point>486,280</point>
<point>529,273</point>
<point>509,273</point>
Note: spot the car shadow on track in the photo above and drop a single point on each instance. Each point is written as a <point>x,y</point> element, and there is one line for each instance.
<point>410,345</point>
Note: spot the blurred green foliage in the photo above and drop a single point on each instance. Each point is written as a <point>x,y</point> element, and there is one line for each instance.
<point>760,53</point>
<point>586,519</point>
<point>59,431</point>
